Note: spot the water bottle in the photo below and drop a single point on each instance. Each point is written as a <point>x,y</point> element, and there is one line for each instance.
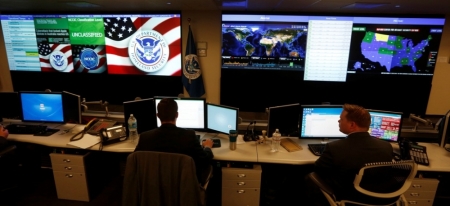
<point>132,128</point>
<point>276,139</point>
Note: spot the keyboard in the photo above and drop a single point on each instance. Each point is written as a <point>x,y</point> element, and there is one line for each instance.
<point>316,149</point>
<point>25,129</point>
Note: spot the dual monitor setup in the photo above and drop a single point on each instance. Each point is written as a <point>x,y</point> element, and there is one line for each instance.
<point>321,122</point>
<point>193,113</point>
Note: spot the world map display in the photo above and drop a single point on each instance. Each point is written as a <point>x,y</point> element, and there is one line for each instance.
<point>264,40</point>
<point>391,50</point>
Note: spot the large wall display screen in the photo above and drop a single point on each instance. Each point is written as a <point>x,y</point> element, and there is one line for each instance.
<point>330,48</point>
<point>140,44</point>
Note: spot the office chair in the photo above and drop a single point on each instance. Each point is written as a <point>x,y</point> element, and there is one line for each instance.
<point>159,178</point>
<point>380,183</point>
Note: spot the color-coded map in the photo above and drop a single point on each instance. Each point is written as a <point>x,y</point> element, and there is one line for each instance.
<point>391,50</point>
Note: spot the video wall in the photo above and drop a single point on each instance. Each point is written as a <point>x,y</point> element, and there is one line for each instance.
<point>379,62</point>
<point>137,44</point>
<point>331,48</point>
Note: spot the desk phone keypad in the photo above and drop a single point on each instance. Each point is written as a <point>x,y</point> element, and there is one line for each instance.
<point>419,155</point>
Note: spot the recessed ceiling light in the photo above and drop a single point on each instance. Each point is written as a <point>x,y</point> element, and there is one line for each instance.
<point>397,6</point>
<point>169,3</point>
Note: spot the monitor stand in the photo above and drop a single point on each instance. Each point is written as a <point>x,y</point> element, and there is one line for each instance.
<point>324,141</point>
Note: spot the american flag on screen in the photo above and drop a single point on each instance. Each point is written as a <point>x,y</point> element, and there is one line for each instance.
<point>120,31</point>
<point>46,49</point>
<point>80,68</point>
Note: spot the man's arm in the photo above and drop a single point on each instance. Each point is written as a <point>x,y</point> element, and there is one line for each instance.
<point>324,165</point>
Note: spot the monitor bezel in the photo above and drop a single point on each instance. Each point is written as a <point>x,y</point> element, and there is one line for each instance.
<point>318,106</point>
<point>269,129</point>
<point>221,106</point>
<point>41,92</point>
<point>18,109</point>
<point>399,126</point>
<point>79,105</point>
<point>183,98</point>
<point>126,114</point>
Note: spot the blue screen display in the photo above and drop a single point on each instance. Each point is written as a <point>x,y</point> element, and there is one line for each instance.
<point>321,122</point>
<point>222,119</point>
<point>42,107</point>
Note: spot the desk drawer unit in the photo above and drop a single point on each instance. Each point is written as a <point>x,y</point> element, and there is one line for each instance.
<point>241,186</point>
<point>70,176</point>
<point>422,192</point>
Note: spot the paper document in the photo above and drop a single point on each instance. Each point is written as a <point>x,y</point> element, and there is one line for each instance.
<point>86,142</point>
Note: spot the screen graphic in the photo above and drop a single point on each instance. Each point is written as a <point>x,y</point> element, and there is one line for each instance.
<point>330,48</point>
<point>385,125</point>
<point>114,44</point>
<point>321,122</point>
<point>191,113</point>
<point>41,107</point>
<point>222,119</point>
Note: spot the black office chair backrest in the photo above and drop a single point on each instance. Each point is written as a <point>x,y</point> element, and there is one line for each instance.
<point>388,179</point>
<point>159,178</point>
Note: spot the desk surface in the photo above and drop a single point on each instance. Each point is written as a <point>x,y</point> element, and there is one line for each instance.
<point>248,152</point>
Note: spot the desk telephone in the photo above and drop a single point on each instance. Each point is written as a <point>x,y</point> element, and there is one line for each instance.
<point>104,128</point>
<point>413,151</point>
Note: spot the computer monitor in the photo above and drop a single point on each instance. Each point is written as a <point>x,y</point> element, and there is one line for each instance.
<point>72,107</point>
<point>321,122</point>
<point>191,112</point>
<point>9,105</point>
<point>285,118</point>
<point>144,111</point>
<point>385,125</point>
<point>221,118</point>
<point>443,126</point>
<point>42,107</point>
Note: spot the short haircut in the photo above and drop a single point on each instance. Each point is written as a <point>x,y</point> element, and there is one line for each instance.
<point>357,114</point>
<point>167,109</point>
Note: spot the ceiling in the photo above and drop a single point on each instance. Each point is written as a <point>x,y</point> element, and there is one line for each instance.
<point>322,6</point>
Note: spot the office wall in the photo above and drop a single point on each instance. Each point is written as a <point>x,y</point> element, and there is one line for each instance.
<point>439,101</point>
<point>206,27</point>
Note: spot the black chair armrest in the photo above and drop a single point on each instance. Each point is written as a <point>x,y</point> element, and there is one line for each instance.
<point>7,150</point>
<point>320,183</point>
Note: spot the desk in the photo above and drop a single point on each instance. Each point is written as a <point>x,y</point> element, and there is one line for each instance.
<point>249,152</point>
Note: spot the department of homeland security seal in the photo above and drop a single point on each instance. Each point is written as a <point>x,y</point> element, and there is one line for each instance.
<point>89,59</point>
<point>191,68</point>
<point>58,60</point>
<point>148,51</point>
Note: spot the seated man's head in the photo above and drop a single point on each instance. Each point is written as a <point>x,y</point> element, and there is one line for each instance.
<point>354,118</point>
<point>167,110</point>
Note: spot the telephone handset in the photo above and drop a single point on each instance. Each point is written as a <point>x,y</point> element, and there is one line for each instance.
<point>90,124</point>
<point>93,127</point>
<point>413,151</point>
<point>86,128</point>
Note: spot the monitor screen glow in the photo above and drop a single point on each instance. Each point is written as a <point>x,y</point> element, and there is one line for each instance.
<point>191,113</point>
<point>42,107</point>
<point>321,121</point>
<point>385,125</point>
<point>222,118</point>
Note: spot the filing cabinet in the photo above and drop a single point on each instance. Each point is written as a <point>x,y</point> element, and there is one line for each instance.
<point>422,192</point>
<point>240,186</point>
<point>70,176</point>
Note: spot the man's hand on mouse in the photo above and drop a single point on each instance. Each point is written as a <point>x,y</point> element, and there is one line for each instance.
<point>207,143</point>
